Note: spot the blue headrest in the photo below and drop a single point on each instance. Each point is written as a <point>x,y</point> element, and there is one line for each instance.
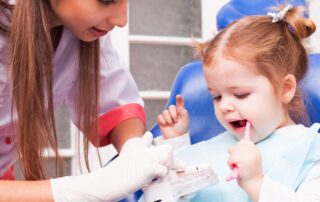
<point>311,87</point>
<point>236,9</point>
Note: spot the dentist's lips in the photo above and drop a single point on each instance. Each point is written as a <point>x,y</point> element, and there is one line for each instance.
<point>98,32</point>
<point>239,125</point>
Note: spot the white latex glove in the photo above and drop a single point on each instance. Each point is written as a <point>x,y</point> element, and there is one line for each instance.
<point>137,165</point>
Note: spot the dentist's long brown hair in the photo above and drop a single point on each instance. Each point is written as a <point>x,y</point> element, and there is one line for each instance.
<point>32,45</point>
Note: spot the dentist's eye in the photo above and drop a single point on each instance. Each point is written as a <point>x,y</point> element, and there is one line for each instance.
<point>241,95</point>
<point>106,2</point>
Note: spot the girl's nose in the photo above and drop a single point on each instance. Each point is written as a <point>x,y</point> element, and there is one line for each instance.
<point>226,107</point>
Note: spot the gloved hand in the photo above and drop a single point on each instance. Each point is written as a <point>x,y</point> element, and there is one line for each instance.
<point>137,165</point>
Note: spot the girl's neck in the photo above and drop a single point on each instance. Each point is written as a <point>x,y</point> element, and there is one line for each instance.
<point>286,122</point>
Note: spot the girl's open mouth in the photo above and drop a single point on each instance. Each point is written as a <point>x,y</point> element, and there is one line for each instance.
<point>239,126</point>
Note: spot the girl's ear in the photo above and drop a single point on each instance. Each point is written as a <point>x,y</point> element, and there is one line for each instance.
<point>288,90</point>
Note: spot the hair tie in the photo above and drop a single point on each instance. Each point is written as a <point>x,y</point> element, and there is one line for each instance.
<point>276,17</point>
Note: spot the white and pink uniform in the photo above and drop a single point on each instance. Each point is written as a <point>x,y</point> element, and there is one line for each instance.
<point>119,98</point>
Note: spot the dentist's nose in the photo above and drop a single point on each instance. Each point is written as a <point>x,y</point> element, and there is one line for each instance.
<point>120,16</point>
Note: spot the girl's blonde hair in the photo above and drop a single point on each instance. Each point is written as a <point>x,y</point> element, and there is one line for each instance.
<point>33,45</point>
<point>275,48</point>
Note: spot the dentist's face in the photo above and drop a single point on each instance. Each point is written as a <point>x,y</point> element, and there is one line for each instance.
<point>90,19</point>
<point>240,95</point>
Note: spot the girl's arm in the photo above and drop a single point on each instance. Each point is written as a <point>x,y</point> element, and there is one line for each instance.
<point>25,191</point>
<point>308,191</point>
<point>174,125</point>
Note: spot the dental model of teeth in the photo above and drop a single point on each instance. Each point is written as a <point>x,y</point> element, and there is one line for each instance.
<point>180,185</point>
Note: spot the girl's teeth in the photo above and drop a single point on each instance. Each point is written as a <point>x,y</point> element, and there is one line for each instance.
<point>242,122</point>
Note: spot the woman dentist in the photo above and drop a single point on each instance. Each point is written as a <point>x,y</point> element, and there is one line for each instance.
<point>55,51</point>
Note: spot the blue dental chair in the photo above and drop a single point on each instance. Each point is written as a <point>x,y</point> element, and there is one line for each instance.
<point>190,83</point>
<point>236,9</point>
<point>311,87</point>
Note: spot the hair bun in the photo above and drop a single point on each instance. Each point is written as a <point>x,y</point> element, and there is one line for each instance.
<point>300,25</point>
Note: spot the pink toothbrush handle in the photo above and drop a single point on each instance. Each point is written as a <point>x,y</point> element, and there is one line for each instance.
<point>234,175</point>
<point>247,131</point>
<point>235,171</point>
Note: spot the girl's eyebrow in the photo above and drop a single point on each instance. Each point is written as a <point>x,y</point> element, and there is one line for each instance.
<point>230,88</point>
<point>238,87</point>
<point>212,90</point>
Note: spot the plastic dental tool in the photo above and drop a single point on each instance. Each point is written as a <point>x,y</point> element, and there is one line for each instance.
<point>235,173</point>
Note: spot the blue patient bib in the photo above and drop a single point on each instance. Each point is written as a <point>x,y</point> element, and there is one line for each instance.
<point>288,154</point>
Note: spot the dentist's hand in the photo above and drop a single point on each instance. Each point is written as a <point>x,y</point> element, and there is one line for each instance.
<point>174,121</point>
<point>137,165</point>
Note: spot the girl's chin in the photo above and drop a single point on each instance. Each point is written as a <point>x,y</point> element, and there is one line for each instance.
<point>86,37</point>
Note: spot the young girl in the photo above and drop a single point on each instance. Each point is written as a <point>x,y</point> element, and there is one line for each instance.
<point>60,51</point>
<point>252,69</point>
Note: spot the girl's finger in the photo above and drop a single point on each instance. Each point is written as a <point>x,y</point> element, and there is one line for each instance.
<point>167,117</point>
<point>230,150</point>
<point>173,113</point>
<point>161,120</point>
<point>179,102</point>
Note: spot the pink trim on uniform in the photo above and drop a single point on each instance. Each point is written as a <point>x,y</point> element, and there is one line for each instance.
<point>112,118</point>
<point>8,175</point>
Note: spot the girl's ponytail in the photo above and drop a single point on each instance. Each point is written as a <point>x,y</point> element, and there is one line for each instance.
<point>297,28</point>
<point>299,24</point>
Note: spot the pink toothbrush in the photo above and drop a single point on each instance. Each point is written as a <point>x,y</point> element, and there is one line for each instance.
<point>235,173</point>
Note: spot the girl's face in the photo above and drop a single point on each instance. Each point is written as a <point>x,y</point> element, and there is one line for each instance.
<point>90,19</point>
<point>241,95</point>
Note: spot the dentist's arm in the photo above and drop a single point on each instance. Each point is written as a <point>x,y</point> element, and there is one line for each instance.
<point>27,191</point>
<point>125,130</point>
<point>137,165</point>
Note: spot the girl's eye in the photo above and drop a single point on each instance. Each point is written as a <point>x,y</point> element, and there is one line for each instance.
<point>217,98</point>
<point>242,95</point>
<point>106,2</point>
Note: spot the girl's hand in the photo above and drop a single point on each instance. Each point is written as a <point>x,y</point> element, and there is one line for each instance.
<point>247,158</point>
<point>174,121</point>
